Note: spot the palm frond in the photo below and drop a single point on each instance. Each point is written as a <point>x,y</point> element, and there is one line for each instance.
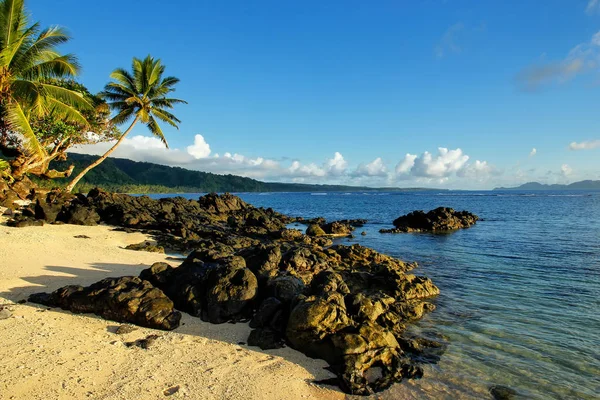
<point>156,130</point>
<point>18,121</point>
<point>38,49</point>
<point>66,111</point>
<point>166,116</point>
<point>54,66</point>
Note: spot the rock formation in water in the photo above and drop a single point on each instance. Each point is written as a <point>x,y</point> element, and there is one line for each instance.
<point>441,219</point>
<point>349,305</point>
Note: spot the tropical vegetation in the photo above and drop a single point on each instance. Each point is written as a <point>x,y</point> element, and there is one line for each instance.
<point>31,89</point>
<point>142,95</point>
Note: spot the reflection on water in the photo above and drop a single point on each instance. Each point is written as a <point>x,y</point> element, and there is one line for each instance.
<point>520,290</point>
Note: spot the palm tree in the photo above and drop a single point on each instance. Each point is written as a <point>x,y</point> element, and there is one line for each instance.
<point>28,63</point>
<point>141,95</point>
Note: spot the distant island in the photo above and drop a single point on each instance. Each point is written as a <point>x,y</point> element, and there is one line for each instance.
<point>127,176</point>
<point>581,185</point>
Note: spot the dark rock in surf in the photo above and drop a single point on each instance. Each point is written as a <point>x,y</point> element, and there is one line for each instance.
<point>441,219</point>
<point>500,392</point>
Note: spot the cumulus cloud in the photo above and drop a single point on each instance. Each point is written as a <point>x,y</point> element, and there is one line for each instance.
<point>406,164</point>
<point>583,58</point>
<point>336,166</point>
<point>588,145</point>
<point>442,165</point>
<point>592,7</point>
<point>480,171</point>
<point>533,152</point>
<point>449,41</point>
<point>427,168</point>
<point>566,170</point>
<point>374,168</point>
<point>200,149</point>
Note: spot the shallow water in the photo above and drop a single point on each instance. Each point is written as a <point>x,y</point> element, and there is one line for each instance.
<point>520,291</point>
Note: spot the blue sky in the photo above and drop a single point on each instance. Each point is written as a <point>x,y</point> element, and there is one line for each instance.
<point>277,88</point>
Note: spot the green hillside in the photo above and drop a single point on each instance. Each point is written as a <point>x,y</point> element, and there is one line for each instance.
<point>123,175</point>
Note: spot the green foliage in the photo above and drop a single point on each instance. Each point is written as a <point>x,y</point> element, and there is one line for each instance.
<point>143,95</point>
<point>28,62</point>
<point>51,131</point>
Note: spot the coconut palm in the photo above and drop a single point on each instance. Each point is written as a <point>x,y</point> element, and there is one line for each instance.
<point>142,96</point>
<point>28,63</point>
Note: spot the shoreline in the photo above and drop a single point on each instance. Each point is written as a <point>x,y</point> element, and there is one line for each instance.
<point>57,354</point>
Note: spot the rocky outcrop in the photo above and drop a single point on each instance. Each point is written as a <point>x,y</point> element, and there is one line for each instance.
<point>319,227</point>
<point>346,304</point>
<point>441,219</point>
<point>126,299</point>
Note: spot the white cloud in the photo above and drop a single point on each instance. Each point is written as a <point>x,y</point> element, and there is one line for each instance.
<point>583,58</point>
<point>440,166</point>
<point>374,168</point>
<point>144,142</point>
<point>565,170</point>
<point>337,165</point>
<point>200,149</point>
<point>479,170</point>
<point>589,145</point>
<point>593,7</point>
<point>449,41</point>
<point>533,152</point>
<point>299,170</point>
<point>406,164</point>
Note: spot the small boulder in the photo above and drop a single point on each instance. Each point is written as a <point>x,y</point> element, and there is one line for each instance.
<point>315,230</point>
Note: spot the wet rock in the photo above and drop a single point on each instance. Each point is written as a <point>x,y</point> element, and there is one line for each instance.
<point>338,229</point>
<point>126,299</point>
<point>315,231</point>
<point>441,219</point>
<point>500,392</point>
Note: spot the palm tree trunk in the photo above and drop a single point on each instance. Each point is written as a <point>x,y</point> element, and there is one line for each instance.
<point>75,180</point>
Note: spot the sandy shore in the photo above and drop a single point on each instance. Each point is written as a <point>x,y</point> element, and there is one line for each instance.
<point>51,354</point>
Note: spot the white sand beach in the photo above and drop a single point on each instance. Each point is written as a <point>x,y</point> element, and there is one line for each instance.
<point>53,354</point>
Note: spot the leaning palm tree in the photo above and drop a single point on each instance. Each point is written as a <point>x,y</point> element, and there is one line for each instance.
<point>141,95</point>
<point>28,63</point>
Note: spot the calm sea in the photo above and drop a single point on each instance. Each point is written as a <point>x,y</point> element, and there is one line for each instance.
<point>520,291</point>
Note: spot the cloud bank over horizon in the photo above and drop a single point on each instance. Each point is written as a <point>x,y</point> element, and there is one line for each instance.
<point>428,169</point>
